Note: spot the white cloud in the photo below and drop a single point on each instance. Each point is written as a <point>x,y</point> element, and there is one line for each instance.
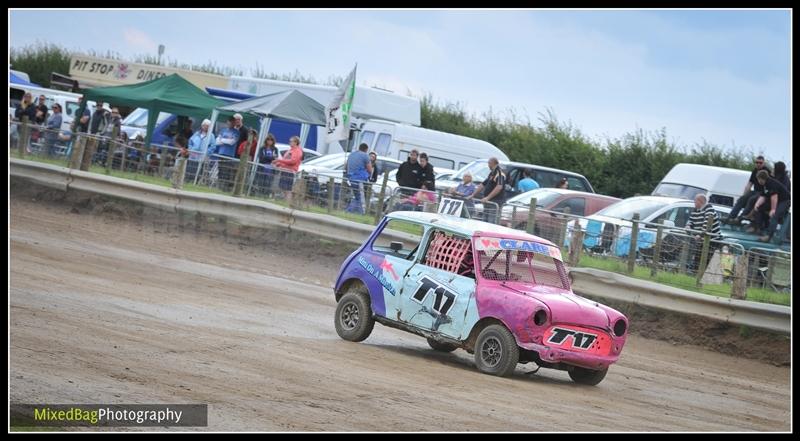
<point>139,41</point>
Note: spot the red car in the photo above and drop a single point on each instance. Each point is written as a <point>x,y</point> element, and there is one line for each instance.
<point>549,202</point>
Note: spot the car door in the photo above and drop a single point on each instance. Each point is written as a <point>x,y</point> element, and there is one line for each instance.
<point>435,296</point>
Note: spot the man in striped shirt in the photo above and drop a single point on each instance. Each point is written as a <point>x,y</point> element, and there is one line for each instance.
<point>697,222</point>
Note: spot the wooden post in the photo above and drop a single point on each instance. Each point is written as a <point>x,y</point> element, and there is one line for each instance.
<point>562,237</point>
<point>111,147</point>
<point>576,245</point>
<point>379,209</point>
<point>77,150</point>
<point>90,146</point>
<point>685,253</point>
<point>739,287</point>
<point>531,216</point>
<point>513,216</point>
<point>299,191</point>
<point>657,249</point>
<point>238,186</point>
<point>331,188</point>
<point>701,267</point>
<point>24,137</point>
<point>634,237</point>
<point>178,175</point>
<point>367,197</point>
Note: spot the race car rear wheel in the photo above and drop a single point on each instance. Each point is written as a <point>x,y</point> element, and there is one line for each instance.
<point>587,376</point>
<point>496,351</point>
<point>353,319</point>
<point>441,347</point>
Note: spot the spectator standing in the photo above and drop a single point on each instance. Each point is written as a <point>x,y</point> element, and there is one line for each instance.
<point>108,146</point>
<point>409,174</point>
<point>493,191</point>
<point>266,172</point>
<point>527,183</point>
<point>100,119</point>
<point>373,159</point>
<point>40,117</point>
<point>427,174</point>
<point>243,145</point>
<point>81,124</point>
<point>196,150</point>
<point>289,164</point>
<point>26,108</point>
<point>359,170</point>
<point>225,150</point>
<point>697,222</point>
<point>53,126</point>
<point>181,156</point>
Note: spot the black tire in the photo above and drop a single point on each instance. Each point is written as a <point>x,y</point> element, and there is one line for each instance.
<point>496,351</point>
<point>353,317</point>
<point>441,347</point>
<point>589,377</point>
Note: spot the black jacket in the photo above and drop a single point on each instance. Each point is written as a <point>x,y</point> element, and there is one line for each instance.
<point>409,175</point>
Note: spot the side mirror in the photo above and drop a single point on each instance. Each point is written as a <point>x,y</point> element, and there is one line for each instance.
<point>669,223</point>
<point>396,246</point>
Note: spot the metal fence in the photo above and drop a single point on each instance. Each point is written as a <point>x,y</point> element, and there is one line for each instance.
<point>683,256</point>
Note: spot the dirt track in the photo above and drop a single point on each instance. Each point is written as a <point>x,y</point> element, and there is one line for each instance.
<point>111,311</point>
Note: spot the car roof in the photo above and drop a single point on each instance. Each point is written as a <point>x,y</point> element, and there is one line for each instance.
<point>467,227</point>
<point>564,191</point>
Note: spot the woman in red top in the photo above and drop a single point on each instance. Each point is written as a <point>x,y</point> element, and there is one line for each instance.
<point>253,145</point>
<point>289,164</point>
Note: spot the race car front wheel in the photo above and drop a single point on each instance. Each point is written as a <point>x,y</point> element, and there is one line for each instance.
<point>496,351</point>
<point>353,319</point>
<point>587,376</point>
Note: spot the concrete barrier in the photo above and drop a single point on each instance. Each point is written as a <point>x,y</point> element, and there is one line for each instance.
<point>586,281</point>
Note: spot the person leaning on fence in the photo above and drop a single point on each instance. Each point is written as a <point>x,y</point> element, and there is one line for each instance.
<point>359,169</point>
<point>697,223</point>
<point>464,190</point>
<point>288,165</point>
<point>53,126</point>
<point>196,151</point>
<point>224,151</point>
<point>772,205</point>
<point>494,192</point>
<point>264,174</point>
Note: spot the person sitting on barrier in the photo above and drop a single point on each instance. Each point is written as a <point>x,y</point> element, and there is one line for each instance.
<point>749,197</point>
<point>697,222</point>
<point>417,201</point>
<point>772,205</point>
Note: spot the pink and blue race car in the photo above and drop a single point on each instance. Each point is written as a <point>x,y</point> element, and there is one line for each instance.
<point>500,294</point>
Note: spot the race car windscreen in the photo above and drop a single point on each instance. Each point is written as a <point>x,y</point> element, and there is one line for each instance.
<point>517,265</point>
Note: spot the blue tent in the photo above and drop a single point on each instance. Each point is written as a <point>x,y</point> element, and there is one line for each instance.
<point>16,79</point>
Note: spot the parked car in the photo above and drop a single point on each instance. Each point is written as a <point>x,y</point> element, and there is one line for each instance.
<point>500,294</point>
<point>551,201</point>
<point>308,154</point>
<point>546,177</point>
<point>609,230</point>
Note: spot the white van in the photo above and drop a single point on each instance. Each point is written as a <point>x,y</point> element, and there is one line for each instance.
<point>722,186</point>
<point>445,150</point>
<point>67,100</point>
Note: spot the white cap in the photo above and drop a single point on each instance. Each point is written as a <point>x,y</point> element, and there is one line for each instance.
<point>237,116</point>
<point>206,122</point>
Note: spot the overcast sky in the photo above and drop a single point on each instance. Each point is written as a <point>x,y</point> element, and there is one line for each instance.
<point>719,76</point>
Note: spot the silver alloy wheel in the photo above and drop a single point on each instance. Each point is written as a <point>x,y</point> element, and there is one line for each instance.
<point>349,316</point>
<point>491,351</point>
